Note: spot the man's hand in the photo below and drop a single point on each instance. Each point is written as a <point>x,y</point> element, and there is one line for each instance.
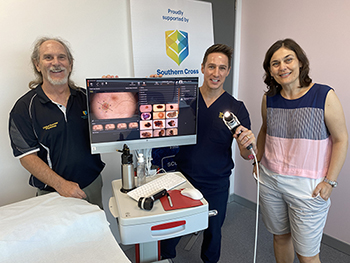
<point>116,76</point>
<point>155,76</point>
<point>110,76</point>
<point>245,137</point>
<point>70,189</point>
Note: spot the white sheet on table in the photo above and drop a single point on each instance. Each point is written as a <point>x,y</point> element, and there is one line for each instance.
<point>55,229</point>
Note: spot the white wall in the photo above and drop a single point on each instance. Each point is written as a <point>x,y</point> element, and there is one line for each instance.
<point>99,35</point>
<point>321,28</point>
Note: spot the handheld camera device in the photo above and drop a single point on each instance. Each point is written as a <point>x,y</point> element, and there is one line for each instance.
<point>146,203</point>
<point>232,123</point>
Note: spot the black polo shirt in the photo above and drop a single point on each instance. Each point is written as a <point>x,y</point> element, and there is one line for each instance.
<point>60,139</point>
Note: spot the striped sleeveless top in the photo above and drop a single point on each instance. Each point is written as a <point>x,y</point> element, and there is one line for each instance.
<point>298,142</point>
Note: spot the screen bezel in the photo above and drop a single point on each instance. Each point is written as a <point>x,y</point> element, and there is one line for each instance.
<point>142,143</point>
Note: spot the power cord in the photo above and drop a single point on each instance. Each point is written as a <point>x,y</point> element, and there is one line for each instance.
<point>256,176</point>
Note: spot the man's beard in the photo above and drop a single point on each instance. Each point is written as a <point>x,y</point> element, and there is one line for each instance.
<point>61,81</point>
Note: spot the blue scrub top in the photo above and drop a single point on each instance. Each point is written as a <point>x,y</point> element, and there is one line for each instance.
<point>208,163</point>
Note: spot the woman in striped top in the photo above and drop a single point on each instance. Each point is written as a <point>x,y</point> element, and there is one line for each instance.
<point>302,147</point>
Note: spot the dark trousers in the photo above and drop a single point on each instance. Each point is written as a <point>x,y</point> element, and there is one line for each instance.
<point>211,246</point>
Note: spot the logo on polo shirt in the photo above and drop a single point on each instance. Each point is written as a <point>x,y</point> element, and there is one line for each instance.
<point>221,115</point>
<point>84,115</point>
<point>50,126</point>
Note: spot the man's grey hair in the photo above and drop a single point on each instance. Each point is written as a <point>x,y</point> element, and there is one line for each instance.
<point>35,58</point>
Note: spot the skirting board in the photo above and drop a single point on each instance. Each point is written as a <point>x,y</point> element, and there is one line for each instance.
<point>327,240</point>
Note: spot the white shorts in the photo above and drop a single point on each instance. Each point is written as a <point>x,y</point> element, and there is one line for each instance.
<point>287,206</point>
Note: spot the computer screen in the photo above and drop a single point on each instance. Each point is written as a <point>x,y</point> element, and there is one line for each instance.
<point>142,113</point>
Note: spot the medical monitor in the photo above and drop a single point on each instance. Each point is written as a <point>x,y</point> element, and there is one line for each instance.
<point>142,113</point>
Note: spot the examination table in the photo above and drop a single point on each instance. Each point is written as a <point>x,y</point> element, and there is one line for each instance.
<point>55,229</point>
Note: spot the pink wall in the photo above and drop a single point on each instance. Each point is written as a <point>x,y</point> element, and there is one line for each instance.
<point>321,28</point>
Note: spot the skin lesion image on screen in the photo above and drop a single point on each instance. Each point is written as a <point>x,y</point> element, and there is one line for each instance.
<point>113,105</point>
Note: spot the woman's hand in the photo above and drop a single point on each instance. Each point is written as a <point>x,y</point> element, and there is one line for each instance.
<point>324,190</point>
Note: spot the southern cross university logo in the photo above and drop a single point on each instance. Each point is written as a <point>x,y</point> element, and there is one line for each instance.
<point>176,45</point>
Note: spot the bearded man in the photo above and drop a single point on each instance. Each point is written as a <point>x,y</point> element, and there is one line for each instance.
<point>49,131</point>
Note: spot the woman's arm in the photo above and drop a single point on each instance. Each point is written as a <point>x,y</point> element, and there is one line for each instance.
<point>335,122</point>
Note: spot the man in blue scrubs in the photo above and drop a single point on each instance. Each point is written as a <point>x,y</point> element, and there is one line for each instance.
<point>208,164</point>
<point>49,130</point>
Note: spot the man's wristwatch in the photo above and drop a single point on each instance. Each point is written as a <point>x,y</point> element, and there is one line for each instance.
<point>332,183</point>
